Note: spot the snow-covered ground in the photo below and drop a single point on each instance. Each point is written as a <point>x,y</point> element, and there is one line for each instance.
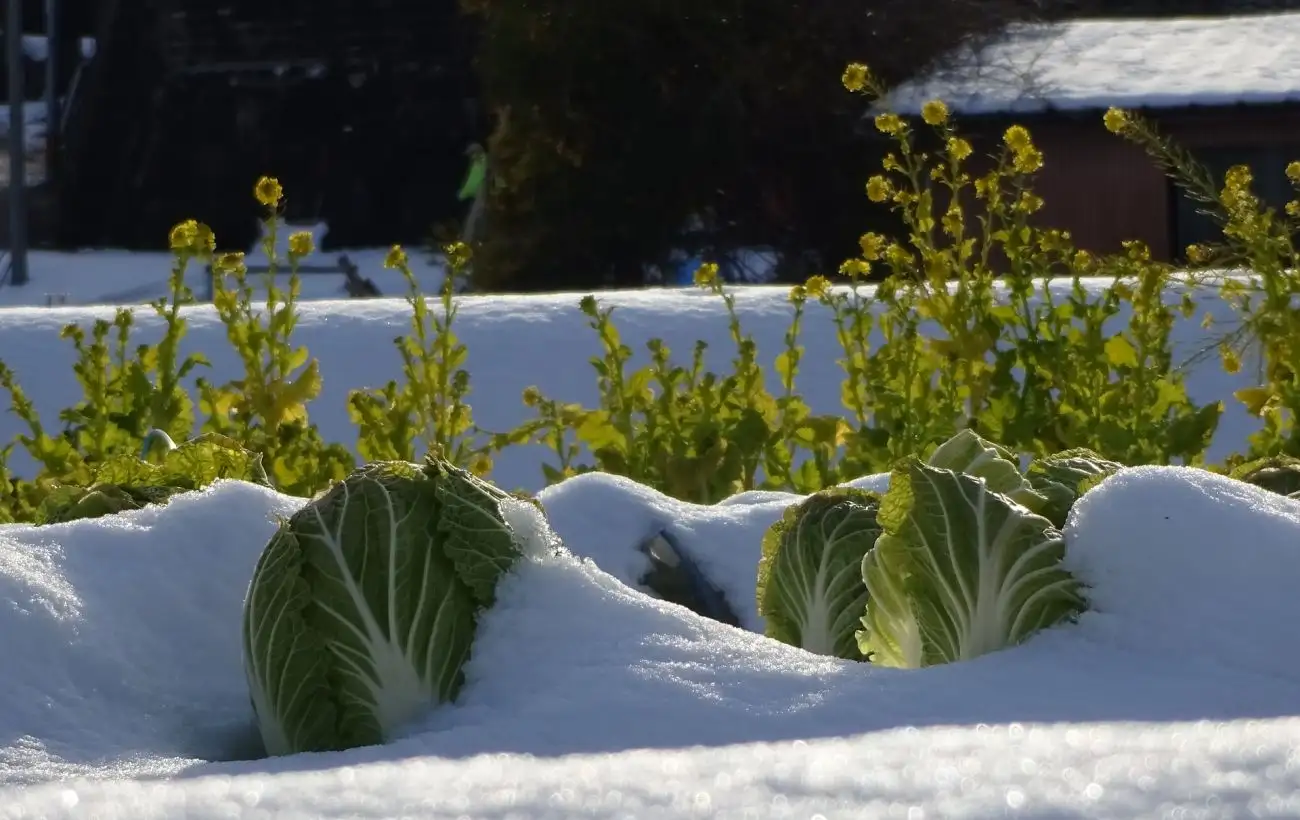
<point>122,693</point>
<point>115,277</point>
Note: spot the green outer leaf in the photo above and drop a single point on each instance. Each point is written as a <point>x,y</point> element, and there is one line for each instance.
<point>473,532</point>
<point>967,452</point>
<point>1278,474</point>
<point>976,571</point>
<point>1064,477</point>
<point>891,635</point>
<point>810,589</point>
<point>357,619</point>
<point>125,482</point>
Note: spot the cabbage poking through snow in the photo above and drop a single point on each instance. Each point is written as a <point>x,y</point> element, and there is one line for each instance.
<point>810,588</point>
<point>960,571</point>
<point>363,607</point>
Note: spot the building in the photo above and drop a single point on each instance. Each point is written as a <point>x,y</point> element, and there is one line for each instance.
<point>1225,88</point>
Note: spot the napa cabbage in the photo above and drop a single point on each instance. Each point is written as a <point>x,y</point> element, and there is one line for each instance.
<point>362,610</point>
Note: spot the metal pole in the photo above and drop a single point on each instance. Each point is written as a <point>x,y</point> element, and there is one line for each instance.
<point>53,116</point>
<point>17,145</point>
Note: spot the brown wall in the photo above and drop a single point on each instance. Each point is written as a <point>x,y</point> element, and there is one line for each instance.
<point>1104,189</point>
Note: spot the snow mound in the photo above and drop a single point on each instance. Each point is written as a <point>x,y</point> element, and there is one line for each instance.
<point>122,635</point>
<point>1193,564</point>
<point>586,697</point>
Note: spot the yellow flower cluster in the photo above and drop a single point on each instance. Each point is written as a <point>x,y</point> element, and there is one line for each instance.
<point>1025,157</point>
<point>193,238</point>
<point>706,276</point>
<point>856,77</point>
<point>268,192</point>
<point>878,189</point>
<point>301,244</point>
<point>1116,121</point>
<point>396,258</point>
<point>934,112</point>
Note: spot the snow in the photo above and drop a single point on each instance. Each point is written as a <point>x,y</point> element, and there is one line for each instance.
<point>122,693</point>
<point>1137,63</point>
<point>116,277</point>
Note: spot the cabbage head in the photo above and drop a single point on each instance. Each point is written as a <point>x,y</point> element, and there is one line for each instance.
<point>362,609</point>
<point>810,589</point>
<point>959,570</point>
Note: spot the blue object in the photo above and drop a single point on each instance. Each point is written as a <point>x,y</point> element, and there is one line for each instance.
<point>685,274</point>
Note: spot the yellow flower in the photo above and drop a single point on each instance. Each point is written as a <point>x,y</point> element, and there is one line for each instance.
<point>1293,171</point>
<point>1029,202</point>
<point>205,241</point>
<point>897,255</point>
<point>1017,138</point>
<point>1082,259</point>
<point>889,123</point>
<point>191,237</point>
<point>1136,250</point>
<point>1238,177</point>
<point>958,148</point>
<point>1028,160</point>
<point>856,77</point>
<point>182,235</point>
<point>817,286</point>
<point>268,192</point>
<point>301,244</point>
<point>1198,254</point>
<point>953,220</point>
<point>873,245</point>
<point>706,276</point>
<point>229,263</point>
<point>458,255</point>
<point>532,396</point>
<point>855,268</point>
<point>396,258</point>
<point>1231,361</point>
<point>878,189</point>
<point>1116,121</point>
<point>798,294</point>
<point>934,112</point>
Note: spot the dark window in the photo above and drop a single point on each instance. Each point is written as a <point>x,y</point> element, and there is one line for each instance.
<point>1267,164</point>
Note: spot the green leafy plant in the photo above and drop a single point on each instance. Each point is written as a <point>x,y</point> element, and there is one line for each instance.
<point>1277,474</point>
<point>1258,239</point>
<point>363,607</point>
<point>974,330</point>
<point>267,408</point>
<point>127,392</point>
<point>695,434</point>
<point>427,412</point>
<point>959,571</point>
<point>127,482</point>
<point>1062,479</point>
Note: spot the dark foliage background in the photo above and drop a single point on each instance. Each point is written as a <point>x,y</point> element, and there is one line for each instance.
<point>616,123</point>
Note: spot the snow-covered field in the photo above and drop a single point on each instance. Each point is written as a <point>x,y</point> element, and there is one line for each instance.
<point>122,693</point>
<point>132,278</point>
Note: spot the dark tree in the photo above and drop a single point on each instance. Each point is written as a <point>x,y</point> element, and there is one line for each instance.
<point>619,123</point>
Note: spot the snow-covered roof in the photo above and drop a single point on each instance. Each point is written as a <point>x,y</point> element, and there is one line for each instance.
<point>1094,64</point>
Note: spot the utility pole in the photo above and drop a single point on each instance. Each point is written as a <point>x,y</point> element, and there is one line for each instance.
<point>17,145</point>
<point>53,111</point>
